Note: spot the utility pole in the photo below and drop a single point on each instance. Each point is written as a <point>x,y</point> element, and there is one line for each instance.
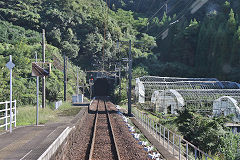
<point>166,7</point>
<point>130,76</point>
<point>130,79</point>
<point>65,78</point>
<point>77,86</point>
<point>37,97</point>
<point>43,79</point>
<point>120,86</point>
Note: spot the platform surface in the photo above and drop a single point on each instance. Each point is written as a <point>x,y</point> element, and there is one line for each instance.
<point>30,142</point>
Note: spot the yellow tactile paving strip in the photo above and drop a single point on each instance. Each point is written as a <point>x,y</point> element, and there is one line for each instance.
<point>4,152</point>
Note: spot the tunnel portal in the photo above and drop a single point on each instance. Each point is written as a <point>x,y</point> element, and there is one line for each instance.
<point>101,87</point>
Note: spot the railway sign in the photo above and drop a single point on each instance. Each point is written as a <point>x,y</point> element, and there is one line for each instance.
<point>10,65</point>
<point>40,69</point>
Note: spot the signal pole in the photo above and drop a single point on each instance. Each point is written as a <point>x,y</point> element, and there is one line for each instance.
<point>166,8</point>
<point>37,113</point>
<point>130,76</point>
<point>77,91</point>
<point>119,74</point>
<point>65,78</point>
<point>130,79</point>
<point>43,79</point>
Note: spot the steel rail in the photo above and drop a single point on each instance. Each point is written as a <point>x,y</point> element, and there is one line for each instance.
<point>111,134</point>
<point>94,133</point>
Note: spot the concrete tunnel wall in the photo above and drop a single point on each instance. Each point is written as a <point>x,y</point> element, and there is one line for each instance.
<point>101,87</point>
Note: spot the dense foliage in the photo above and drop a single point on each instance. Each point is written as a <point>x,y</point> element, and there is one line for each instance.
<point>23,44</point>
<point>74,28</point>
<point>202,44</point>
<point>176,42</point>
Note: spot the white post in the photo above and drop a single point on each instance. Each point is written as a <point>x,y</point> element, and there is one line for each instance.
<point>163,136</point>
<point>173,142</point>
<point>10,66</point>
<point>168,140</point>
<point>160,130</point>
<point>10,96</point>
<point>6,114</point>
<point>179,148</point>
<point>77,87</point>
<point>10,99</point>
<point>156,131</point>
<point>15,112</point>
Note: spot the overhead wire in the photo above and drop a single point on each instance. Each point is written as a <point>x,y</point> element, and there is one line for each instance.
<point>151,6</point>
<point>5,25</point>
<point>167,12</point>
<point>182,14</point>
<point>138,5</point>
<point>105,30</point>
<point>149,19</point>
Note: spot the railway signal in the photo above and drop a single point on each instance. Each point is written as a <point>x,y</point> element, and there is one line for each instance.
<point>91,80</point>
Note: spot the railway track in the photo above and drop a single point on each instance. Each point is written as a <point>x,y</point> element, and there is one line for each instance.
<point>103,143</point>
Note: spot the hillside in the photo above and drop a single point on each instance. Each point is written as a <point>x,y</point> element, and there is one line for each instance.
<point>202,44</point>
<point>23,45</point>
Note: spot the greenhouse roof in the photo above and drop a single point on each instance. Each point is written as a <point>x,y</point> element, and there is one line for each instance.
<point>204,94</point>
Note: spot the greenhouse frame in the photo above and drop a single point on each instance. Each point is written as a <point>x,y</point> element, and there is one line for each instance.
<point>145,86</point>
<point>201,100</point>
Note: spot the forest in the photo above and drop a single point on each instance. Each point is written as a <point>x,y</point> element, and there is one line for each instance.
<point>176,41</point>
<point>178,38</point>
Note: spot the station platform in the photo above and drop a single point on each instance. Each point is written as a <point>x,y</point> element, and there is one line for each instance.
<point>30,142</point>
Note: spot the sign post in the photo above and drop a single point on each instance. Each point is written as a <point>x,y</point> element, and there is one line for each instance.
<point>10,66</point>
<point>37,113</point>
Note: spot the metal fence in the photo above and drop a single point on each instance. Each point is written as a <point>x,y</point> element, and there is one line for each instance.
<point>58,104</point>
<point>5,118</point>
<point>174,143</point>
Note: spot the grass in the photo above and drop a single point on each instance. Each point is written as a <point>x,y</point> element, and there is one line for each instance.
<point>26,115</point>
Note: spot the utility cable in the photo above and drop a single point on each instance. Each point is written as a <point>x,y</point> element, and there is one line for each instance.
<point>105,30</point>
<point>183,12</point>
<point>138,5</point>
<point>153,16</point>
<point>169,11</point>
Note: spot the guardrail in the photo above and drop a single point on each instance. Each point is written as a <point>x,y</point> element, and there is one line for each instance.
<point>173,142</point>
<point>5,114</point>
<point>58,104</point>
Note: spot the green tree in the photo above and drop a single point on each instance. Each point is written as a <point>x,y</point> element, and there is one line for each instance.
<point>231,22</point>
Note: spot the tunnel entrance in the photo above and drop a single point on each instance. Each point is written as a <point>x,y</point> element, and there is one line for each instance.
<point>101,87</point>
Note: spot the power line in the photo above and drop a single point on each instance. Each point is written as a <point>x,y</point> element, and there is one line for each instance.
<point>169,11</point>
<point>178,19</point>
<point>153,16</point>
<point>156,12</point>
<point>138,5</point>
<point>105,30</point>
<point>4,22</point>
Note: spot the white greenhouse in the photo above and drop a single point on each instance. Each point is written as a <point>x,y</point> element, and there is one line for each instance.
<point>146,86</point>
<point>227,105</point>
<point>170,101</point>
